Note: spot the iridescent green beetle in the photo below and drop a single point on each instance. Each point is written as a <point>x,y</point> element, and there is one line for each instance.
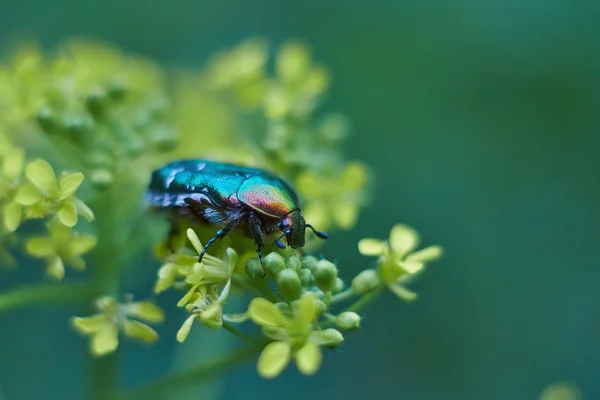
<point>228,196</point>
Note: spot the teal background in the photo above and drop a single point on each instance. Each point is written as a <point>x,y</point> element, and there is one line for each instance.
<point>480,120</point>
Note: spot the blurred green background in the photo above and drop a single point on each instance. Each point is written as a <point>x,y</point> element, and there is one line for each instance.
<point>481,122</point>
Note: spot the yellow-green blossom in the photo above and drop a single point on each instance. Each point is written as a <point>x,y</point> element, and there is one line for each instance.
<point>333,200</point>
<point>62,246</point>
<point>45,195</point>
<point>294,336</point>
<point>103,328</point>
<point>398,262</point>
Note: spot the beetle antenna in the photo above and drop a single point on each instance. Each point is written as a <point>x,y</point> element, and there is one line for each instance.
<point>320,235</point>
<point>278,243</point>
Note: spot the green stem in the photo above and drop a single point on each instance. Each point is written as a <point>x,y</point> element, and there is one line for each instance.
<point>342,296</point>
<point>192,376</point>
<point>236,332</point>
<point>43,293</point>
<point>364,300</point>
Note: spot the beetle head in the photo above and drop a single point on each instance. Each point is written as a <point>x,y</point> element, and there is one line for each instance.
<point>294,227</point>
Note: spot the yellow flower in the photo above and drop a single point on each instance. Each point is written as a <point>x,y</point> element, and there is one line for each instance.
<point>103,328</point>
<point>293,336</point>
<point>62,246</point>
<point>398,262</point>
<point>46,195</point>
<point>333,200</point>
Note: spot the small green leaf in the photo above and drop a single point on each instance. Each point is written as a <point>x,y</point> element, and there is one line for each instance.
<point>308,358</point>
<point>265,313</point>
<point>141,331</point>
<point>40,247</point>
<point>28,195</point>
<point>90,324</point>
<point>69,184</point>
<point>184,331</point>
<point>12,216</point>
<point>146,311</point>
<point>41,174</point>
<point>67,214</point>
<point>105,341</point>
<point>273,359</point>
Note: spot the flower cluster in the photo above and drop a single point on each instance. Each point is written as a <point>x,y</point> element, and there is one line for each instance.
<point>294,298</point>
<point>103,328</point>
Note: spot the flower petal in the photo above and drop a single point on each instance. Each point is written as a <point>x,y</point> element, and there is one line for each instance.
<point>105,341</point>
<point>345,215</point>
<point>84,210</point>
<point>146,310</point>
<point>263,312</point>
<point>307,309</point>
<point>68,214</point>
<point>184,331</point>
<point>79,245</point>
<point>41,174</point>
<point>309,358</point>
<point>403,239</point>
<point>327,337</point>
<point>90,324</point>
<point>28,195</point>
<point>56,268</point>
<point>412,267</point>
<point>69,184</point>
<point>402,292</point>
<point>12,216</point>
<point>371,247</point>
<point>141,331</point>
<point>194,240</point>
<point>425,255</point>
<point>273,359</point>
<point>40,246</point>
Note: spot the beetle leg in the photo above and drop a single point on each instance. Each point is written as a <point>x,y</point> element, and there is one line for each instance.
<point>221,233</point>
<point>256,232</point>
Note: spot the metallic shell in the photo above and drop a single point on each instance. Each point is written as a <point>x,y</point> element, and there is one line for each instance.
<point>268,195</point>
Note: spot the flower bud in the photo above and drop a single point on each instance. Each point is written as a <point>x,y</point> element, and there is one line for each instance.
<point>307,278</point>
<point>288,283</point>
<point>366,281</point>
<point>338,286</point>
<point>309,262</point>
<point>325,275</point>
<point>254,268</point>
<point>274,263</point>
<point>348,321</point>
<point>294,263</point>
